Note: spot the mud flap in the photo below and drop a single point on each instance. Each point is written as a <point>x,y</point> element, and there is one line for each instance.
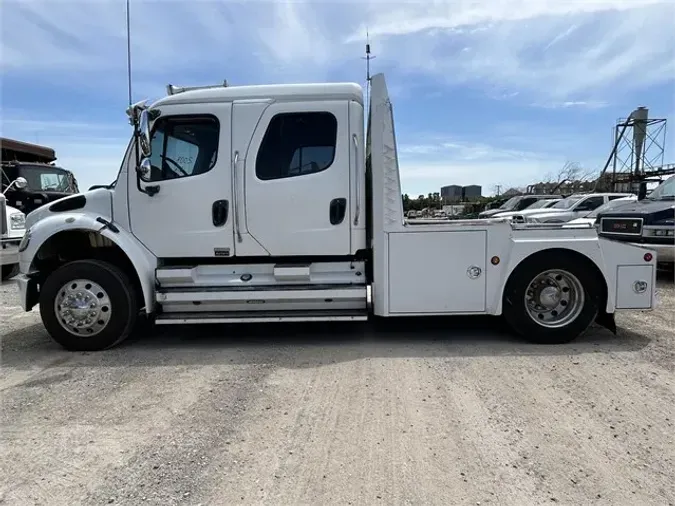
<point>606,320</point>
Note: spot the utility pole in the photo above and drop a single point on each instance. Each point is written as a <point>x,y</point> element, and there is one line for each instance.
<point>499,187</point>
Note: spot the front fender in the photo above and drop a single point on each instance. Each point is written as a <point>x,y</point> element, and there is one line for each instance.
<point>143,261</point>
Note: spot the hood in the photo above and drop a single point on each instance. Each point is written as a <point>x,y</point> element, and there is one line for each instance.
<point>530,212</point>
<point>98,201</point>
<point>651,211</point>
<point>491,212</point>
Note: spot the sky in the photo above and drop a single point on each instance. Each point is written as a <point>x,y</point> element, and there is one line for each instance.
<point>498,92</point>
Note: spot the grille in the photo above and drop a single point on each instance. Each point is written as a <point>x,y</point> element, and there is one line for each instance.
<point>621,226</point>
<point>3,217</point>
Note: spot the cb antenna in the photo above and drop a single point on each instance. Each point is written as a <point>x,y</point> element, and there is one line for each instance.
<point>129,52</point>
<point>368,57</point>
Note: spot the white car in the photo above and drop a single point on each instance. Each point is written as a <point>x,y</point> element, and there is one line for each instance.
<point>538,205</point>
<point>574,206</point>
<point>589,219</point>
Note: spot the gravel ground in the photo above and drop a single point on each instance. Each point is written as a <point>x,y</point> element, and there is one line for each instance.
<point>434,411</point>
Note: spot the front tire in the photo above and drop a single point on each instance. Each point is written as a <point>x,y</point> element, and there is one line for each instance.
<point>88,305</point>
<point>552,298</point>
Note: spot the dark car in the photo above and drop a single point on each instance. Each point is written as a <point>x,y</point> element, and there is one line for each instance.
<point>46,183</point>
<point>649,222</point>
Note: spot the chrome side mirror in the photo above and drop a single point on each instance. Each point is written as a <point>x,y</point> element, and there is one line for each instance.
<point>144,134</point>
<point>144,170</point>
<point>21,183</point>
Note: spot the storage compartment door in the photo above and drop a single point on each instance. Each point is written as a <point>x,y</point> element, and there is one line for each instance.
<point>437,272</point>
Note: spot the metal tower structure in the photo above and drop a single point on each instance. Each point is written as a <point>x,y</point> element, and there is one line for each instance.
<point>637,155</point>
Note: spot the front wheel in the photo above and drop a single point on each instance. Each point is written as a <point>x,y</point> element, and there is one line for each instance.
<point>552,299</point>
<point>88,305</point>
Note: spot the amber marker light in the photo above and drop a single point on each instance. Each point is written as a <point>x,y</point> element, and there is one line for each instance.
<point>494,260</point>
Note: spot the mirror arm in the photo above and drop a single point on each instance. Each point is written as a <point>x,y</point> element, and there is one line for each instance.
<point>148,190</point>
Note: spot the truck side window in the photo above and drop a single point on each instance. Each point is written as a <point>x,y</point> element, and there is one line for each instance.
<point>183,146</point>
<point>296,144</point>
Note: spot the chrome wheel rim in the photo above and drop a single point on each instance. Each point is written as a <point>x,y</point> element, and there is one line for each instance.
<point>554,298</point>
<point>83,307</point>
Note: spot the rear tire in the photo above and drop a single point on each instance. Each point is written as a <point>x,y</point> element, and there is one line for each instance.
<point>9,271</point>
<point>552,298</point>
<point>88,305</point>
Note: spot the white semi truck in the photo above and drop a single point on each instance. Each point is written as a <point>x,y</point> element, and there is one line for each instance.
<point>271,204</point>
<point>12,229</point>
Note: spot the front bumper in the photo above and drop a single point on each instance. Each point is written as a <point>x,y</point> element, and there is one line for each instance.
<point>9,253</point>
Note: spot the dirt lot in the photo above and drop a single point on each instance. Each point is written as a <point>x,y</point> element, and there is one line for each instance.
<point>448,411</point>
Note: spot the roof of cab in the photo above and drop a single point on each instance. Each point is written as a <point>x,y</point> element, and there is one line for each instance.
<point>276,92</point>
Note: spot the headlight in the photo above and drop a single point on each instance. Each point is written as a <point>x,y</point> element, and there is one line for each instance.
<point>656,231</point>
<point>17,221</point>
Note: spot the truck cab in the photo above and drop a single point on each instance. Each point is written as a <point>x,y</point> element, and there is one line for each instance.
<point>271,204</point>
<point>45,183</point>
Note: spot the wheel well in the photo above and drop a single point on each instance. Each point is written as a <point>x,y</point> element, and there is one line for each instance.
<point>71,245</point>
<point>578,257</point>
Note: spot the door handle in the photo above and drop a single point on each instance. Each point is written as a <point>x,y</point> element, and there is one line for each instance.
<point>219,212</point>
<point>338,208</point>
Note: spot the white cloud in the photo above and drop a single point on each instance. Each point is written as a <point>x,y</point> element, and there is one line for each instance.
<point>569,51</point>
<point>428,166</point>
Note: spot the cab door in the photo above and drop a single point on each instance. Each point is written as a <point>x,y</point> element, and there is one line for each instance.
<point>189,213</point>
<point>297,179</point>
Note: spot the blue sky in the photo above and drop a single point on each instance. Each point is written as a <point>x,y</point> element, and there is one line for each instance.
<point>493,92</point>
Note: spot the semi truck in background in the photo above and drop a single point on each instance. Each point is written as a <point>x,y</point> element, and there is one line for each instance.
<point>42,180</point>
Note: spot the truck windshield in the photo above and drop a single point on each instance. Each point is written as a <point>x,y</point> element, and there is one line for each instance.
<point>510,204</point>
<point>45,178</point>
<point>540,203</point>
<point>606,207</point>
<point>566,203</point>
<point>665,191</point>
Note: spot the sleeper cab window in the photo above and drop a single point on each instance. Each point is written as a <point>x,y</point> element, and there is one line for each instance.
<point>183,146</point>
<point>297,144</point>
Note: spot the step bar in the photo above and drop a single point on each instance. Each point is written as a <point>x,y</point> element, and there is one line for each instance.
<point>264,300</point>
<point>260,317</point>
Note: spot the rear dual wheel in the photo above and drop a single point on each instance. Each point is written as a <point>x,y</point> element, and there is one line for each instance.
<point>552,298</point>
<point>88,305</point>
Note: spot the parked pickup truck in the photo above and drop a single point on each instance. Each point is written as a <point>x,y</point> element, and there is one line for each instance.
<point>568,209</point>
<point>271,204</point>
<point>649,222</point>
<point>517,203</point>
